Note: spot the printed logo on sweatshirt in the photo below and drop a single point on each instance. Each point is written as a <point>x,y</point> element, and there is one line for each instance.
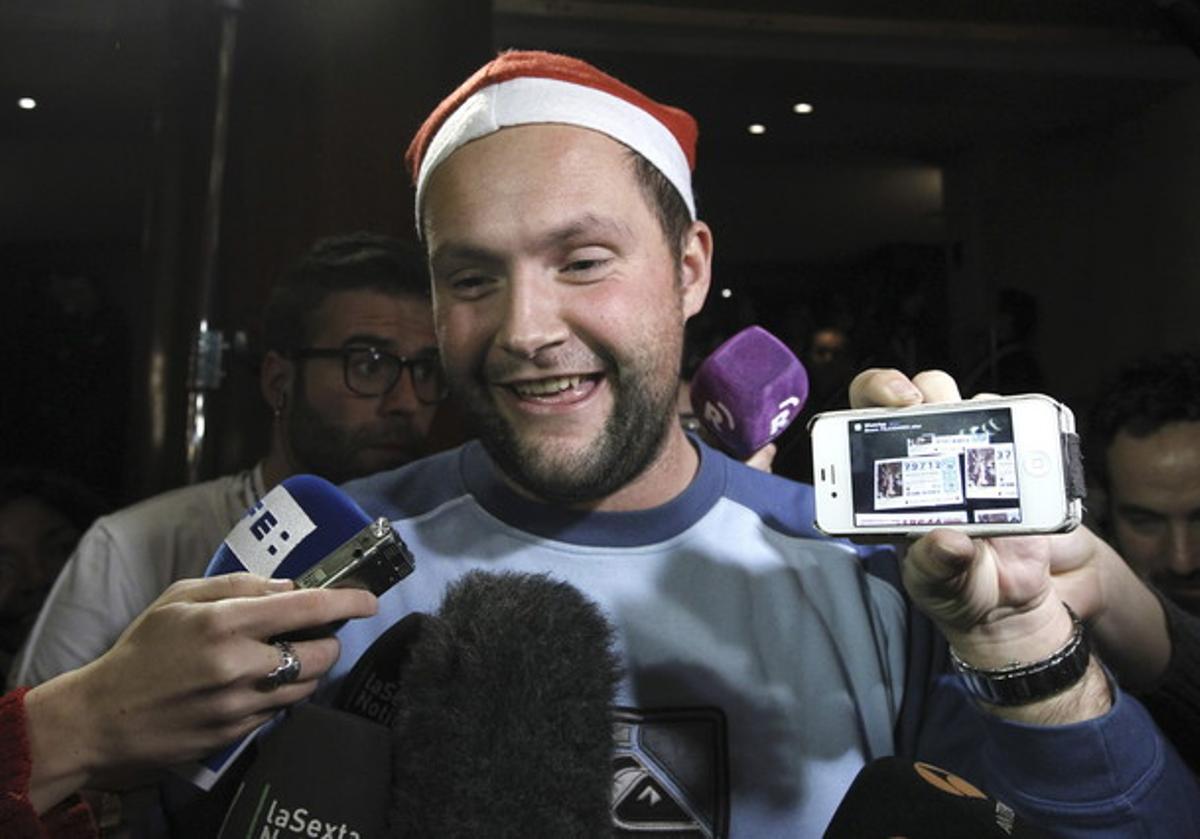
<point>670,774</point>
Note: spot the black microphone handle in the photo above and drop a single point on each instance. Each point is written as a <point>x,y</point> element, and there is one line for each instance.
<point>320,770</point>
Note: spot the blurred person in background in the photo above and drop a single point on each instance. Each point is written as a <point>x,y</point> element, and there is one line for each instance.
<point>1144,440</point>
<point>42,516</point>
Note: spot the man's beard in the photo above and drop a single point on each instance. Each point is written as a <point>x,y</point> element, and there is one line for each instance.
<point>632,437</point>
<point>337,454</point>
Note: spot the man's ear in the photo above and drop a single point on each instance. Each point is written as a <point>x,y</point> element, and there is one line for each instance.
<point>695,267</point>
<point>275,380</point>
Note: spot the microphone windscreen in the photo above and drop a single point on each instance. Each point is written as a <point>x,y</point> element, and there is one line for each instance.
<point>505,725</point>
<point>295,525</point>
<point>896,797</point>
<point>320,772</point>
<point>748,391</point>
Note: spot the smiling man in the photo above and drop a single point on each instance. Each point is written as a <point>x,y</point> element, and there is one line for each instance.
<point>352,377</point>
<point>555,328</point>
<point>763,665</point>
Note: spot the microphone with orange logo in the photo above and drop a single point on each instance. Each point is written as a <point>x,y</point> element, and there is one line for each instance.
<point>892,797</point>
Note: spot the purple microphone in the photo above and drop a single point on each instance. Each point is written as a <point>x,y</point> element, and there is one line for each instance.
<point>748,391</point>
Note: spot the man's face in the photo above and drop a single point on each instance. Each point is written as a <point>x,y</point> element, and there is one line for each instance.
<point>1154,491</point>
<point>338,434</point>
<point>559,306</point>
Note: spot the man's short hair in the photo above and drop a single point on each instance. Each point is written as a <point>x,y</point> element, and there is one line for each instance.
<point>1141,399</point>
<point>359,261</point>
<point>669,207</point>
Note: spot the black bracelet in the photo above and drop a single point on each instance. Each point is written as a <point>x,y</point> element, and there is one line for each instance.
<point>1021,684</point>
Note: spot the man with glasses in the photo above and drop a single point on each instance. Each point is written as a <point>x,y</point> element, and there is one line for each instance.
<point>354,384</point>
<point>351,374</point>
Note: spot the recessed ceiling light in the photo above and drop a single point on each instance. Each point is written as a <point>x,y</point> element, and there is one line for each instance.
<point>757,128</point>
<point>727,293</point>
<point>802,108</point>
<point>26,103</point>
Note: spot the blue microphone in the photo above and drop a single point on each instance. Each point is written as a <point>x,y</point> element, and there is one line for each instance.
<point>307,530</point>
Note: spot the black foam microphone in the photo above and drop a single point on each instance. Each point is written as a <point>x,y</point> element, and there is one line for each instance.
<point>896,797</point>
<point>505,726</point>
<point>502,727</point>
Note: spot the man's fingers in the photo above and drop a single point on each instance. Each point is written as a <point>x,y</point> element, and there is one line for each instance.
<point>937,386</point>
<point>763,458</point>
<point>883,388</point>
<point>887,388</point>
<point>940,574</point>
<point>938,556</point>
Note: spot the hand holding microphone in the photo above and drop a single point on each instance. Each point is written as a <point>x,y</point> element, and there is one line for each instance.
<point>309,531</point>
<point>205,665</point>
<point>186,677</point>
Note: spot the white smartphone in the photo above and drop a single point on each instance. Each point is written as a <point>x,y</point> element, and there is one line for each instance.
<point>986,467</point>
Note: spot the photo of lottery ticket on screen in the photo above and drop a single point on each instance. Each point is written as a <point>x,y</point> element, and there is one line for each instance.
<point>938,469</point>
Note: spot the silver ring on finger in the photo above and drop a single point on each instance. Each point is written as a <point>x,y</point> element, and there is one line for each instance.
<point>288,669</point>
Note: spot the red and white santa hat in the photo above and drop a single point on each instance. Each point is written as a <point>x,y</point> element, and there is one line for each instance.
<point>522,88</point>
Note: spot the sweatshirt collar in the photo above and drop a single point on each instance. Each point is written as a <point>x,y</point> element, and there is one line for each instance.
<point>596,529</point>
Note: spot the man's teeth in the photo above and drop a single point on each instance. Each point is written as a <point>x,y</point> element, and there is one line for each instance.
<point>547,387</point>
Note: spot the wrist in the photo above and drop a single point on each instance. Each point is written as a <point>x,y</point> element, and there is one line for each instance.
<point>1028,636</point>
<point>1089,698</point>
<point>1019,682</point>
<point>62,758</point>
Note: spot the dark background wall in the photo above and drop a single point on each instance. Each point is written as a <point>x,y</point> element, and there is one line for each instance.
<point>1101,225</point>
<point>107,181</point>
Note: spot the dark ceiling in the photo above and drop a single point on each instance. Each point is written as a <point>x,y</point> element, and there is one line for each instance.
<point>919,80</point>
<point>898,91</point>
<point>914,82</point>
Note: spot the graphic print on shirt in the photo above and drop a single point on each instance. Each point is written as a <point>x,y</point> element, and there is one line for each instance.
<point>670,774</point>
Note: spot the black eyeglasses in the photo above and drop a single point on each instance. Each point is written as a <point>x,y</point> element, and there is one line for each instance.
<point>372,372</point>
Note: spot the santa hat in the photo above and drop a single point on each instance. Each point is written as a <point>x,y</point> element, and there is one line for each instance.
<point>522,88</point>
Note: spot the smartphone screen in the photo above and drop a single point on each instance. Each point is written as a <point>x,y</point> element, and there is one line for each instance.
<point>935,469</point>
